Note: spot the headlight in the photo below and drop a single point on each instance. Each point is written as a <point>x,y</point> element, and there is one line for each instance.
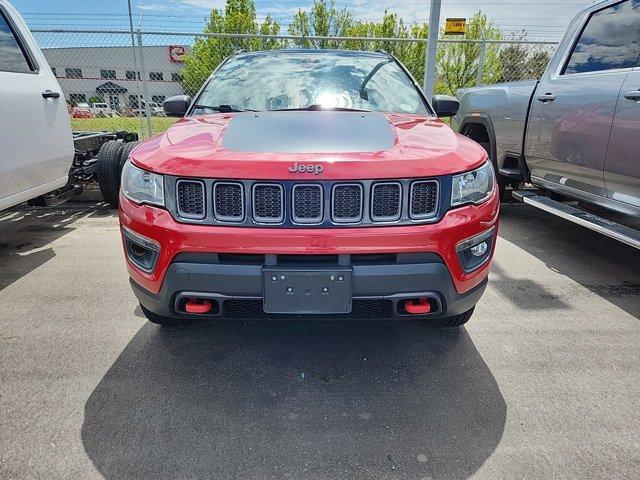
<point>474,186</point>
<point>141,186</point>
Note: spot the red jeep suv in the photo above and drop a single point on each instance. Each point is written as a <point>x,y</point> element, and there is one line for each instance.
<point>309,183</point>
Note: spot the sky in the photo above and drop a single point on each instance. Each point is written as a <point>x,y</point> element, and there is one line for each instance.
<point>542,19</point>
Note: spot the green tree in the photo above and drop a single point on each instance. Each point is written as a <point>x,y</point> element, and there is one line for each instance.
<point>457,62</point>
<point>239,16</point>
<point>323,20</point>
<point>522,61</point>
<point>537,64</point>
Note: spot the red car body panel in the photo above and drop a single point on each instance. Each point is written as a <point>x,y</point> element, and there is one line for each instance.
<point>440,238</point>
<point>423,147</point>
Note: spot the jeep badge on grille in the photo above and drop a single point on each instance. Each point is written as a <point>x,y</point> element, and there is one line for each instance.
<point>315,169</point>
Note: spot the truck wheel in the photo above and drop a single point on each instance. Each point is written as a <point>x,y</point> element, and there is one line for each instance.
<point>108,171</point>
<point>455,321</point>
<point>124,155</point>
<point>170,322</point>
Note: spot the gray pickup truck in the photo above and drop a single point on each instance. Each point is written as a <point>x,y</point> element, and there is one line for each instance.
<point>575,133</point>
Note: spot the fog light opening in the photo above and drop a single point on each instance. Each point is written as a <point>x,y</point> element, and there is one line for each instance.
<point>480,249</point>
<point>475,251</point>
<point>137,250</point>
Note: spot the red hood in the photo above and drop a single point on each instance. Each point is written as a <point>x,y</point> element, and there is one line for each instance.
<point>418,147</point>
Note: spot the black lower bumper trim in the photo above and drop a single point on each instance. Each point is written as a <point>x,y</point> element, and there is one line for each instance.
<point>378,290</point>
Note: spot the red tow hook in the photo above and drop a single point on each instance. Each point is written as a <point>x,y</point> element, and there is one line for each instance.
<point>194,305</point>
<point>423,306</point>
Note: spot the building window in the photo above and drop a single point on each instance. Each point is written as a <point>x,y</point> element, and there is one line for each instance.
<point>76,98</point>
<point>53,69</point>
<point>159,99</point>
<point>133,101</point>
<point>176,77</point>
<point>157,76</point>
<point>73,72</point>
<point>131,75</point>
<point>108,74</point>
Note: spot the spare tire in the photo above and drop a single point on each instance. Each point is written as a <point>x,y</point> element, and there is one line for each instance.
<point>108,171</point>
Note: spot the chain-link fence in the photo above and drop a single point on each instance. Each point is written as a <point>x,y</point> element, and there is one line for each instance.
<point>118,79</point>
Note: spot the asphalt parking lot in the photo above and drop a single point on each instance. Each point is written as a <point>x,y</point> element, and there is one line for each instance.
<point>544,382</point>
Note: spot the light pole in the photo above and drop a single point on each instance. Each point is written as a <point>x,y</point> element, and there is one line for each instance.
<point>432,47</point>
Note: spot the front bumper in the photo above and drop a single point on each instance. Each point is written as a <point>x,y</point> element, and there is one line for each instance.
<point>387,286</point>
<point>427,262</point>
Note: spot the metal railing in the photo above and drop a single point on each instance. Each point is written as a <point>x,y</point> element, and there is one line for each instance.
<point>133,71</point>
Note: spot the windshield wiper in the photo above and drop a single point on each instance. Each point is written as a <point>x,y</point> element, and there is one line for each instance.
<point>317,107</point>
<point>363,86</point>
<point>225,108</point>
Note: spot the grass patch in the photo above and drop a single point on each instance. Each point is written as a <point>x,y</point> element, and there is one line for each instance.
<point>130,124</point>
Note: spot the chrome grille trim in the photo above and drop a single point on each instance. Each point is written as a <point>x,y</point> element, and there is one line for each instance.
<point>180,204</point>
<point>228,218</point>
<point>267,219</point>
<point>307,220</point>
<point>373,198</point>
<point>434,210</point>
<point>352,219</point>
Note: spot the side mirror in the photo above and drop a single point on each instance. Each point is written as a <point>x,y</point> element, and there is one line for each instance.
<point>176,106</point>
<point>445,105</point>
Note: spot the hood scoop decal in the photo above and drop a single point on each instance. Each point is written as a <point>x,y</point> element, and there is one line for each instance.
<point>308,132</point>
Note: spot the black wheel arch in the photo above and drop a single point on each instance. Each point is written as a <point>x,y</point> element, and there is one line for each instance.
<point>484,120</point>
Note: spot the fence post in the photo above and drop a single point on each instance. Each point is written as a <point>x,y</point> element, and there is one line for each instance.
<point>483,49</point>
<point>145,90</point>
<point>432,47</point>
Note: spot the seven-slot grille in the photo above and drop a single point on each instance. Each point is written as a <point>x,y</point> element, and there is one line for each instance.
<point>346,203</point>
<point>228,201</point>
<point>386,201</point>
<point>326,203</point>
<point>424,199</point>
<point>268,203</point>
<point>191,199</point>
<point>307,203</point>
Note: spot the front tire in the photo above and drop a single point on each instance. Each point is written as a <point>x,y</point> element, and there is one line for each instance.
<point>454,321</point>
<point>170,322</point>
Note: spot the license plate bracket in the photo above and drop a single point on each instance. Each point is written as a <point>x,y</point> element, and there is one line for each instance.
<point>307,290</point>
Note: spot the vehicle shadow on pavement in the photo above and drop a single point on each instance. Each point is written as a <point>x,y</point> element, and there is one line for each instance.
<point>604,266</point>
<point>26,233</point>
<point>284,399</point>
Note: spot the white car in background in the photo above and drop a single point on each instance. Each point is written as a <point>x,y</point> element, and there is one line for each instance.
<point>155,110</point>
<point>101,110</point>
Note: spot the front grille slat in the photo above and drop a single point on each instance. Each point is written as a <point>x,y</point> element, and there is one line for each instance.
<point>424,199</point>
<point>346,203</point>
<point>302,204</point>
<point>268,203</point>
<point>307,203</point>
<point>190,197</point>
<point>386,202</point>
<point>228,201</point>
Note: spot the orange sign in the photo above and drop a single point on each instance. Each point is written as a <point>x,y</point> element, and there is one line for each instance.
<point>455,26</point>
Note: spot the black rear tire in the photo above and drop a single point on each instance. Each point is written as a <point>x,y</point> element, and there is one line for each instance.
<point>108,171</point>
<point>171,322</point>
<point>453,322</point>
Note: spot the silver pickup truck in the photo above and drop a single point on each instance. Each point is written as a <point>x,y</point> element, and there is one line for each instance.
<point>576,132</point>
